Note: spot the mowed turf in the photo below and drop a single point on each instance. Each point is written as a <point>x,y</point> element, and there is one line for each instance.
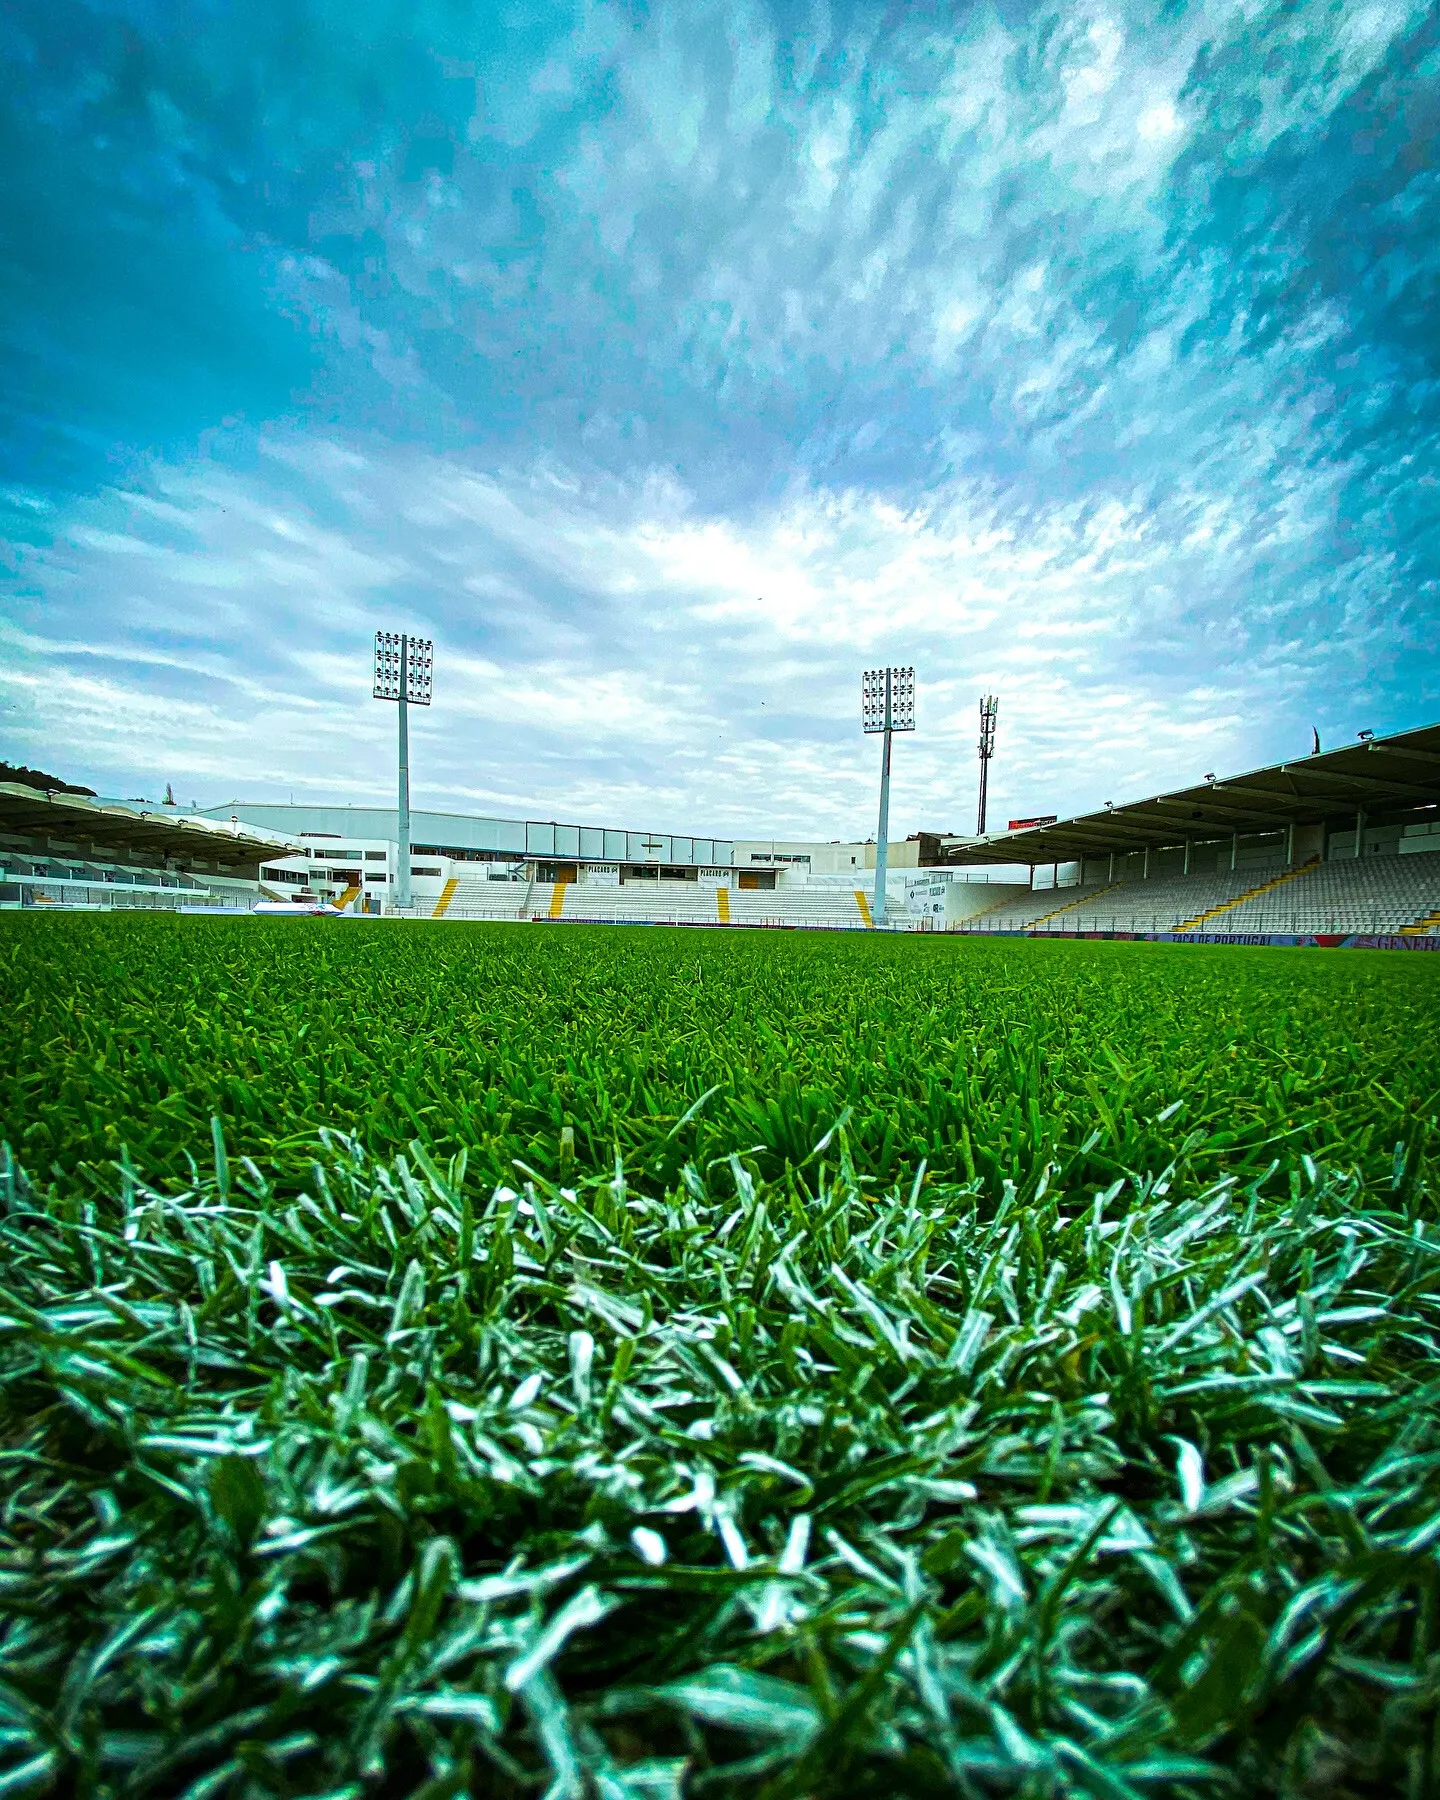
<point>443,1360</point>
<point>989,1059</point>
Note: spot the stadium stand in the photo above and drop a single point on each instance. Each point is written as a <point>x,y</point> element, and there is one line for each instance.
<point>65,849</point>
<point>1381,895</point>
<point>829,908</point>
<point>687,903</point>
<point>1161,905</point>
<point>1020,911</point>
<point>69,882</point>
<point>484,899</point>
<point>654,903</point>
<point>1340,842</point>
<point>1329,842</point>
<point>640,902</point>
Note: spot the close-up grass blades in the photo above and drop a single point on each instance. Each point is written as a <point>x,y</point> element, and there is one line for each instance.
<point>510,1361</point>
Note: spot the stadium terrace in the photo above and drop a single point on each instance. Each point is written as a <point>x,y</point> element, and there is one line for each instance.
<point>1339,846</point>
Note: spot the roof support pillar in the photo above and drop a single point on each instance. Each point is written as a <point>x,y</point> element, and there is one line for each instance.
<point>1112,868</point>
<point>1290,845</point>
<point>1360,832</point>
<point>1186,869</point>
<point>1234,851</point>
<point>1146,875</point>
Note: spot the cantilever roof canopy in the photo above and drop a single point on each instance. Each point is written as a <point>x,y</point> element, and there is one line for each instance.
<point>154,832</point>
<point>1378,775</point>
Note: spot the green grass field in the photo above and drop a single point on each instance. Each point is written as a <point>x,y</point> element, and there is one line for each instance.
<point>642,1363</point>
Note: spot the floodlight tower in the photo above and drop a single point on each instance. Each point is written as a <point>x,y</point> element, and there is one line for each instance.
<point>887,703</point>
<point>404,671</point>
<point>989,706</point>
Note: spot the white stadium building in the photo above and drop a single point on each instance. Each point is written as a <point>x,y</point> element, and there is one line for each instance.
<point>1342,845</point>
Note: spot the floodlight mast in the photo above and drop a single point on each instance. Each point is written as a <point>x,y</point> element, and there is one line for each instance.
<point>887,704</point>
<point>989,706</point>
<point>404,672</point>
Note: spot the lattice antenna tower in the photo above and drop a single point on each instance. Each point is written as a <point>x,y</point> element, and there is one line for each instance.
<point>989,706</point>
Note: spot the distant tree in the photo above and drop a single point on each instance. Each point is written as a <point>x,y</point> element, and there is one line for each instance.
<point>169,795</point>
<point>37,778</point>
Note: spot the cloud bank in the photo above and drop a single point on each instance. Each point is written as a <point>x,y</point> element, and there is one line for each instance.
<point>669,366</point>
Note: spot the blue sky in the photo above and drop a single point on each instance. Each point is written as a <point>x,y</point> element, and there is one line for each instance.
<point>670,364</point>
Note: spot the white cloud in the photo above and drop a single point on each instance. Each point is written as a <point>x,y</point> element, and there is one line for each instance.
<point>606,650</point>
<point>770,361</point>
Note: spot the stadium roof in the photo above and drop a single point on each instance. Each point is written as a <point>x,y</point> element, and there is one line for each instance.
<point>1376,775</point>
<point>144,831</point>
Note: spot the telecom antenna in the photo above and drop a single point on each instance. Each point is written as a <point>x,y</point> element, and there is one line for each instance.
<point>404,671</point>
<point>887,703</point>
<point>989,706</point>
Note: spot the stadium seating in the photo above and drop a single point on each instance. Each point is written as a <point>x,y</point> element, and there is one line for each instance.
<point>82,882</point>
<point>831,908</point>
<point>1167,903</point>
<point>655,903</point>
<point>643,902</point>
<point>484,899</point>
<point>1019,911</point>
<point>687,903</point>
<point>1376,895</point>
<point>1380,895</point>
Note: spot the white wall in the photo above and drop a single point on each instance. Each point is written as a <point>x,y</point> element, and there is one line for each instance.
<point>939,901</point>
<point>375,862</point>
<point>822,859</point>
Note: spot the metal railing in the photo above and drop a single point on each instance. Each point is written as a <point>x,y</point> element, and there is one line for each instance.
<point>90,896</point>
<point>1350,922</point>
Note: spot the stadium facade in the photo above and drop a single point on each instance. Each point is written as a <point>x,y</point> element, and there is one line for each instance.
<point>335,852</point>
<point>1339,845</point>
<point>338,848</point>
